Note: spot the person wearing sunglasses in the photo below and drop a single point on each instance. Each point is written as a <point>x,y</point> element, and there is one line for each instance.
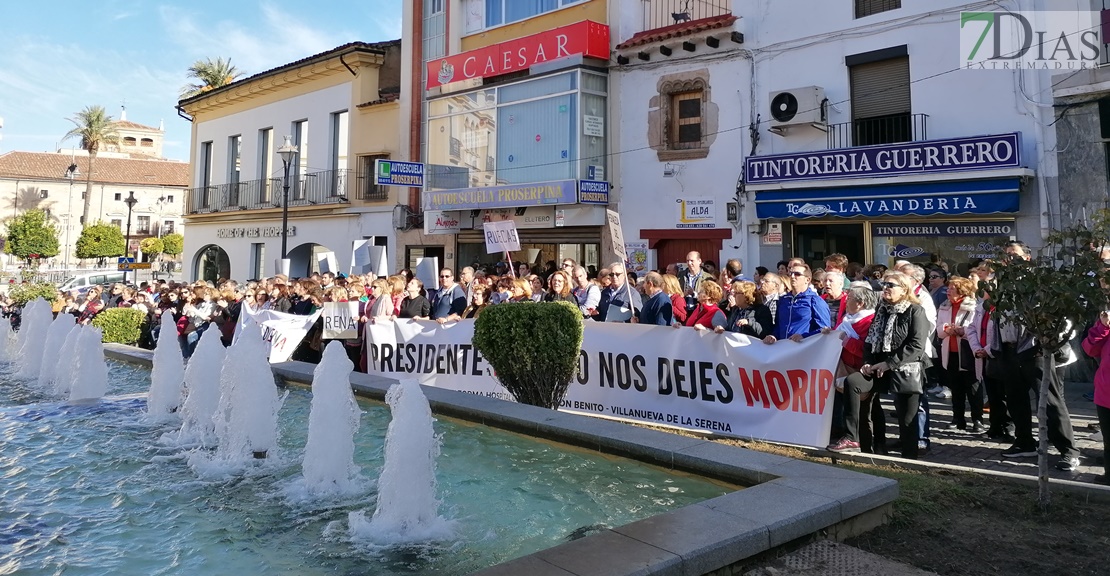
<point>615,305</point>
<point>800,312</point>
<point>894,353</point>
<point>449,299</point>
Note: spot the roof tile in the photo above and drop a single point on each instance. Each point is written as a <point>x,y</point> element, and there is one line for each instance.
<point>676,30</point>
<point>49,166</point>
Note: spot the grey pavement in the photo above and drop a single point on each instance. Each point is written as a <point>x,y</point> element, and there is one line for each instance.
<point>828,558</point>
<point>953,447</point>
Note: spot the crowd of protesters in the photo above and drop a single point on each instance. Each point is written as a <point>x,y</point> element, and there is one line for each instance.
<point>911,332</point>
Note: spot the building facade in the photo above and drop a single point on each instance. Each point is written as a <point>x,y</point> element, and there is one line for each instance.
<point>340,111</point>
<point>513,115</point>
<point>40,180</point>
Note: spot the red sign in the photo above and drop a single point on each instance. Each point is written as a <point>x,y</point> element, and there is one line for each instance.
<point>586,38</point>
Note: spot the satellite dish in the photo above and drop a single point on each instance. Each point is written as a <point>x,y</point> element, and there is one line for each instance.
<point>784,107</point>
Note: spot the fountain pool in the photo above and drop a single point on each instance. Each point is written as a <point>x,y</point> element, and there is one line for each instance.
<point>87,489</point>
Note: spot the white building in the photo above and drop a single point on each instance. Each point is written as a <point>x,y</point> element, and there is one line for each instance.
<point>857,157</point>
<point>340,110</point>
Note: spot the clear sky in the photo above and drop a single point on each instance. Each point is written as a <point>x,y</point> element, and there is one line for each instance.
<point>58,56</point>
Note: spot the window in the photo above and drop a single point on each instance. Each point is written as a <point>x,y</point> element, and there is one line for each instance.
<point>147,142</point>
<point>880,92</point>
<point>44,193</point>
<point>265,161</point>
<point>367,184</point>
<point>234,168</point>
<point>169,198</point>
<point>258,260</point>
<point>205,174</point>
<point>129,141</point>
<point>337,182</point>
<point>300,168</point>
<point>167,227</point>
<point>685,125</point>
<point>142,225</point>
<point>117,223</point>
<point>117,196</point>
<point>498,12</point>
<point>866,8</point>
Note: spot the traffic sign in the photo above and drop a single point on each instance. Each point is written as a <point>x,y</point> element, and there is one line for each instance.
<point>396,173</point>
<point>129,264</point>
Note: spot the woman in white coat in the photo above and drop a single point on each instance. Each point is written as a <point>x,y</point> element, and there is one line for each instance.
<point>957,361</point>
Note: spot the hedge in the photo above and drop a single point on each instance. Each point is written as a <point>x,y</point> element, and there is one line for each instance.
<point>533,347</point>
<point>120,325</point>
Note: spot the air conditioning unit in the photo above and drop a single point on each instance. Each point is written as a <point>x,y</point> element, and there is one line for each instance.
<point>798,107</point>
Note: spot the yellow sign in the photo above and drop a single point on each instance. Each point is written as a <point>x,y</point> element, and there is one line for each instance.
<point>126,267</point>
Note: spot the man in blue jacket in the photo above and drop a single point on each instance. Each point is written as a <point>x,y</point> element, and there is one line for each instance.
<point>801,312</point>
<point>657,309</point>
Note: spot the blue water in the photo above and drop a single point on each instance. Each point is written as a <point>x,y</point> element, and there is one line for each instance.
<point>87,489</point>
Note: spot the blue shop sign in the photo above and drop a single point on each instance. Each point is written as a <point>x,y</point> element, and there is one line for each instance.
<point>397,173</point>
<point>974,153</point>
<point>593,192</point>
<point>511,196</point>
<point>926,199</point>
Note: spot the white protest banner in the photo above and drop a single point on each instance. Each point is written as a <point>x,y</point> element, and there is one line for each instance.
<point>378,264</point>
<point>340,320</point>
<point>283,331</point>
<point>501,237</point>
<point>360,257</point>
<point>723,383</point>
<point>612,239</point>
<point>327,263</point>
<point>427,271</point>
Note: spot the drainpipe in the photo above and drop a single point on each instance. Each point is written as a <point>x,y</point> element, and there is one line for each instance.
<point>416,94</point>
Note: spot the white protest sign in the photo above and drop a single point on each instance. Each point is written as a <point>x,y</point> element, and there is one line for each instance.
<point>327,262</point>
<point>284,332</point>
<point>501,237</point>
<point>728,383</point>
<point>612,239</point>
<point>360,256</point>
<point>281,266</point>
<point>427,271</point>
<point>340,320</point>
<point>378,264</point>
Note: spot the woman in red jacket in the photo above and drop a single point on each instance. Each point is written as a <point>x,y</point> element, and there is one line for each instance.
<point>673,289</point>
<point>707,315</point>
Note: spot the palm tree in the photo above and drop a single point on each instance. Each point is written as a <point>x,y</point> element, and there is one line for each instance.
<point>95,129</point>
<point>211,74</point>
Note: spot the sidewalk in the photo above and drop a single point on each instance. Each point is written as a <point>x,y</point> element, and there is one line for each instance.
<point>953,447</point>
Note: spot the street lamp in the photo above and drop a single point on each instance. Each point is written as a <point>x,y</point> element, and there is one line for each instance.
<point>288,153</point>
<point>131,201</point>
<point>71,174</point>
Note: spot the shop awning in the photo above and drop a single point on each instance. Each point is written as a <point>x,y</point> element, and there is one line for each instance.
<point>990,196</point>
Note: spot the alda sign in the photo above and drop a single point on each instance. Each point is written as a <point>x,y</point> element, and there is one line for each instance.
<point>586,38</point>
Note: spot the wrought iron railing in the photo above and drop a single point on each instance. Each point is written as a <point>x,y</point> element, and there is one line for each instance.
<point>879,130</point>
<point>456,148</point>
<point>324,187</point>
<point>663,13</point>
<point>367,187</point>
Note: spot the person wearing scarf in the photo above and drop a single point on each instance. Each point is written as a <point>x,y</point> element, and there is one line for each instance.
<point>957,361</point>
<point>858,311</point>
<point>893,354</point>
<point>980,337</point>
<point>746,314</point>
<point>707,314</point>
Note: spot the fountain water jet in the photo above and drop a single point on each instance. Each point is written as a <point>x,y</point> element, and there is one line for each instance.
<point>63,374</point>
<point>55,337</point>
<point>202,383</point>
<point>90,372</point>
<point>328,465</point>
<point>407,507</point>
<point>7,340</point>
<point>32,337</point>
<point>247,416</point>
<point>167,377</point>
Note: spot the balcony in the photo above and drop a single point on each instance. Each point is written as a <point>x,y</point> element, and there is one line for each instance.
<point>664,13</point>
<point>666,20</point>
<point>315,188</point>
<point>879,130</point>
<point>456,148</point>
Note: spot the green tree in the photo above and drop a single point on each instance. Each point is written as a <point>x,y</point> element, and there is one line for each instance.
<point>210,75</point>
<point>31,236</point>
<point>152,246</point>
<point>100,241</point>
<point>536,371</point>
<point>173,244</point>
<point>94,128</point>
<point>1052,295</point>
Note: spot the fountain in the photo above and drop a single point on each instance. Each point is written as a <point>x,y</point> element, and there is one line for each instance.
<point>168,374</point>
<point>407,508</point>
<point>64,372</point>
<point>328,465</point>
<point>90,373</point>
<point>247,416</point>
<point>55,337</point>
<point>32,331</point>
<point>202,382</point>
<point>7,339</point>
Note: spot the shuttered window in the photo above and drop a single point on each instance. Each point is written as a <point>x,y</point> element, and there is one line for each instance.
<point>881,88</point>
<point>686,119</point>
<point>869,7</point>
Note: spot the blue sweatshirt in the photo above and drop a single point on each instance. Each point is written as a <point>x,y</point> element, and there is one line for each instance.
<point>804,314</point>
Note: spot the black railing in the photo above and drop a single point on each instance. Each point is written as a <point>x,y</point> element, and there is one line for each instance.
<point>663,13</point>
<point>879,130</point>
<point>456,148</point>
<point>368,188</point>
<point>325,187</point>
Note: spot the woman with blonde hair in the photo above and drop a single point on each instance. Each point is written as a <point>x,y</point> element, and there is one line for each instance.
<point>522,290</point>
<point>673,289</point>
<point>381,305</point>
<point>397,284</point>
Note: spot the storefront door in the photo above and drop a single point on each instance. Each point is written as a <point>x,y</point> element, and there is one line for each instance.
<point>814,242</point>
<point>675,251</point>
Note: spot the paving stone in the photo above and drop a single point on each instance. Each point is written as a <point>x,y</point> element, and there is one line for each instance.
<point>611,554</point>
<point>787,513</point>
<point>529,565</point>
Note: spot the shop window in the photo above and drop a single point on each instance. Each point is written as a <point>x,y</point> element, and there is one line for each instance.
<point>880,92</point>
<point>682,117</point>
<point>498,12</point>
<point>866,8</point>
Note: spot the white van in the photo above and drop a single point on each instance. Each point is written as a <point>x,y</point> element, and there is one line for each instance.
<point>82,282</point>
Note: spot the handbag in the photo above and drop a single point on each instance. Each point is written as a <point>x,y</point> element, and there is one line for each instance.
<point>909,378</point>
